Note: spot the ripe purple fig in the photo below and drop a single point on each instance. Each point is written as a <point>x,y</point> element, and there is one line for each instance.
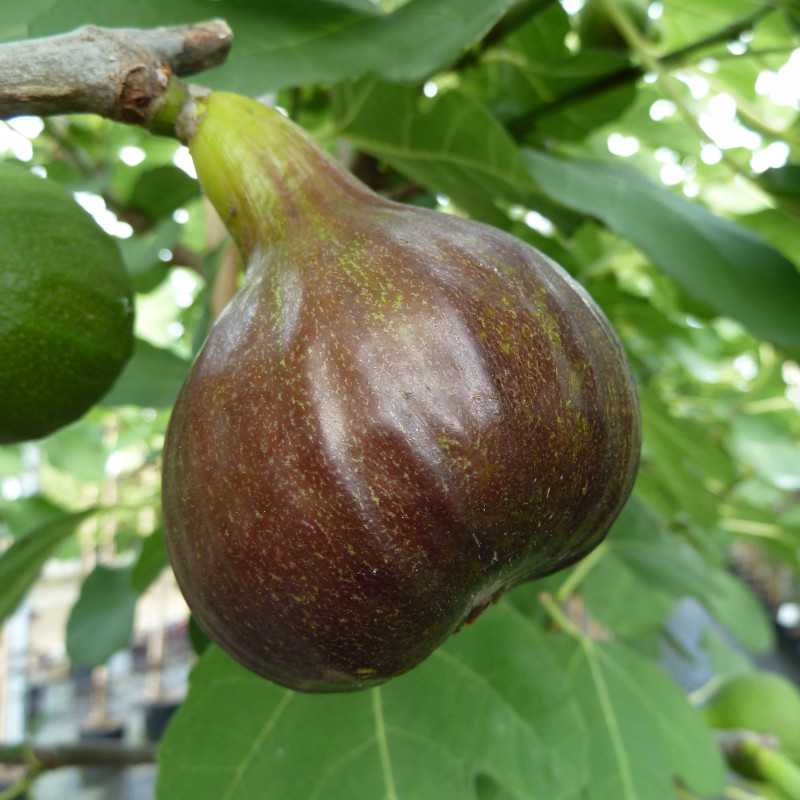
<point>400,416</point>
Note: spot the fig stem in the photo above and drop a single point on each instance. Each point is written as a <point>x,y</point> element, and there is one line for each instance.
<point>175,112</point>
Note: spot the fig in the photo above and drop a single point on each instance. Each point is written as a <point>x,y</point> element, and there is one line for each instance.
<point>762,702</point>
<point>66,308</point>
<point>401,415</point>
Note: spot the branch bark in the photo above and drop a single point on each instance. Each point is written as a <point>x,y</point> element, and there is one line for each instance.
<point>119,73</point>
<point>90,754</point>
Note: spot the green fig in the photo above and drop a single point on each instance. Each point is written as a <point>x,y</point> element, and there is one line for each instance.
<point>401,415</point>
<point>66,308</point>
<point>762,702</point>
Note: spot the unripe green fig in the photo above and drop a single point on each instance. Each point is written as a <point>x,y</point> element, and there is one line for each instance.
<point>401,415</point>
<point>66,308</point>
<point>762,702</point>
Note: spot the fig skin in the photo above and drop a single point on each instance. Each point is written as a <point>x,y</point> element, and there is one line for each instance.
<point>401,415</point>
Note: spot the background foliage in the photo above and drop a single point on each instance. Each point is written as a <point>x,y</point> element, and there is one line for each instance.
<point>663,171</point>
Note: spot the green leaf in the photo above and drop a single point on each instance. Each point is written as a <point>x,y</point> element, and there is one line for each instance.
<point>665,563</point>
<point>198,638</point>
<point>450,144</point>
<point>14,22</point>
<point>295,42</point>
<point>642,731</point>
<point>140,253</point>
<point>152,378</point>
<point>101,621</point>
<point>619,597</point>
<point>11,461</point>
<point>715,260</point>
<point>79,451</point>
<point>687,22</point>
<point>28,513</point>
<point>21,564</point>
<point>770,449</point>
<point>152,560</point>
<point>575,120</point>
<point>491,702</point>
<point>784,183</point>
<point>533,67</point>
<point>358,5</point>
<point>778,228</point>
<point>733,603</point>
<point>688,464</point>
<point>159,191</point>
<point>724,659</point>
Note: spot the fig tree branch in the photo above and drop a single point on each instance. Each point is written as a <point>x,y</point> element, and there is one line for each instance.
<point>119,73</point>
<point>630,74</point>
<point>79,754</point>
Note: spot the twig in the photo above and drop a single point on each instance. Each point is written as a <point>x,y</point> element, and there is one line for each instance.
<point>78,754</point>
<point>630,74</point>
<point>123,74</point>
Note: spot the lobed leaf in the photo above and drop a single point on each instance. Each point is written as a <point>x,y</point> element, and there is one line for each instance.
<point>491,705</point>
<point>643,734</point>
<point>450,144</point>
<point>662,563</point>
